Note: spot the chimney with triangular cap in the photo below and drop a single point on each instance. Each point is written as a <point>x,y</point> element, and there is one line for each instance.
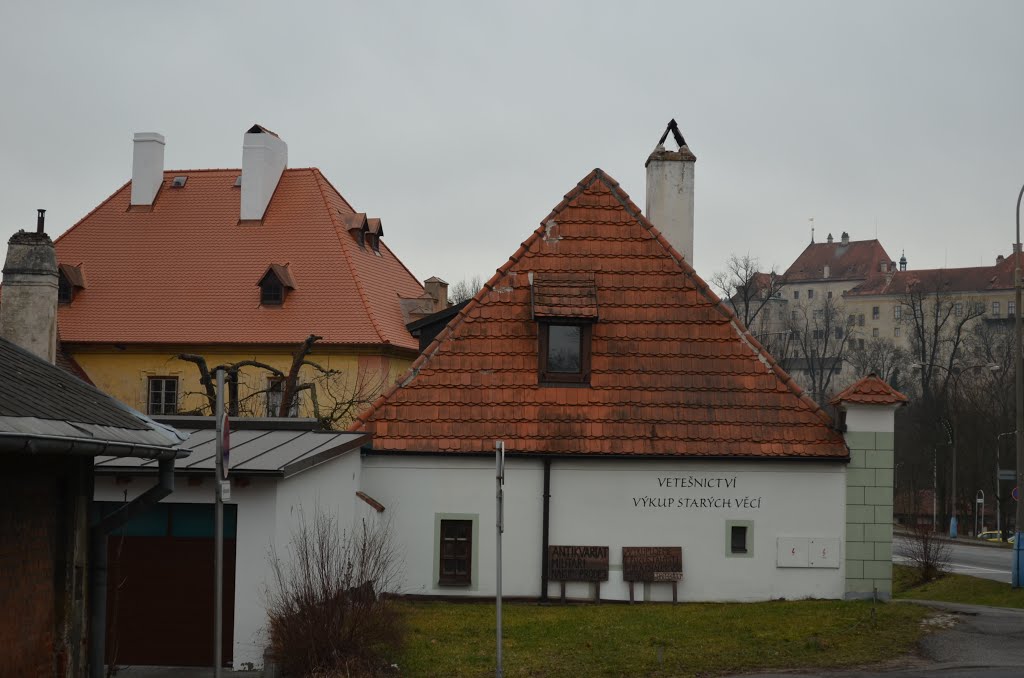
<point>670,191</point>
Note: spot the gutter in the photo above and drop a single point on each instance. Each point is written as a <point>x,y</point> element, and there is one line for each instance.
<point>32,443</point>
<point>101,528</point>
<point>545,532</point>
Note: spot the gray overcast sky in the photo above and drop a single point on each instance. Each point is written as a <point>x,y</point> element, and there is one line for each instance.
<point>462,124</point>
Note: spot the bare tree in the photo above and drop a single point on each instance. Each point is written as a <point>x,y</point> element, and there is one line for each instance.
<point>336,396</point>
<point>881,357</point>
<point>937,324</point>
<point>746,288</point>
<point>820,335</point>
<point>464,290</point>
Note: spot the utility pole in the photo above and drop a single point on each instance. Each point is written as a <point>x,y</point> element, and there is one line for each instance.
<point>499,464</point>
<point>1017,578</point>
<point>218,530</point>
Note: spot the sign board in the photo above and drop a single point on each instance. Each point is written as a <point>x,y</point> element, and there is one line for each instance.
<point>1015,494</point>
<point>577,563</point>
<point>793,552</point>
<point>823,553</point>
<point>225,490</point>
<point>1007,474</point>
<point>652,563</point>
<point>225,433</point>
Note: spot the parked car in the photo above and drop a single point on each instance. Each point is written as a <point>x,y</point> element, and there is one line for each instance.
<point>992,535</point>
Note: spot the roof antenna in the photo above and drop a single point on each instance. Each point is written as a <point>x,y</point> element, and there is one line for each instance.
<point>676,134</point>
<point>812,229</point>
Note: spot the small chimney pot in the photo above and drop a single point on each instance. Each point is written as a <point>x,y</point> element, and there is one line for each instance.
<point>40,221</point>
<point>147,167</point>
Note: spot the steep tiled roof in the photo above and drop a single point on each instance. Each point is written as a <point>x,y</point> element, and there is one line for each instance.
<point>870,391</point>
<point>673,372</point>
<point>971,279</point>
<point>185,272</point>
<point>854,261</point>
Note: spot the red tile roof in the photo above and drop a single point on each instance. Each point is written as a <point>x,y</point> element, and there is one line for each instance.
<point>186,271</point>
<point>869,390</point>
<point>854,261</point>
<point>972,279</point>
<point>673,372</point>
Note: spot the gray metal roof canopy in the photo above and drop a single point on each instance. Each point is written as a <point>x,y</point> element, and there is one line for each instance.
<point>259,447</point>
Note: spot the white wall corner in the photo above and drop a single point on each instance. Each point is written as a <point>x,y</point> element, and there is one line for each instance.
<point>870,418</point>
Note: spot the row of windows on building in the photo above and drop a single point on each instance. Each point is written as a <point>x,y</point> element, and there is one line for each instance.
<point>164,393</point>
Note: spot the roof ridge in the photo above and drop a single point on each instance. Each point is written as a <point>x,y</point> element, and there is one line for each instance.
<point>92,211</point>
<point>702,287</point>
<point>344,252</point>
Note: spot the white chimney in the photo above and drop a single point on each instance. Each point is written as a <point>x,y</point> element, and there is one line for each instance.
<point>670,192</point>
<point>147,167</point>
<point>264,157</point>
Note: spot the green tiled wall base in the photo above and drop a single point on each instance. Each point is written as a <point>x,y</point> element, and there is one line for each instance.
<point>869,495</point>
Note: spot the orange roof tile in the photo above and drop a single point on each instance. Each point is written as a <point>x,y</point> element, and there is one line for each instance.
<point>870,390</point>
<point>673,372</point>
<point>185,271</point>
<point>855,260</point>
<point>970,279</point>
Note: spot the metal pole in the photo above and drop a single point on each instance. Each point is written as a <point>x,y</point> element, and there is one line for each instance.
<point>218,531</point>
<point>952,518</point>
<point>499,479</point>
<point>1017,578</point>
<point>935,489</point>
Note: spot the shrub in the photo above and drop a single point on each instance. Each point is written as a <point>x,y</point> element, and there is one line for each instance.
<point>926,552</point>
<point>329,609</point>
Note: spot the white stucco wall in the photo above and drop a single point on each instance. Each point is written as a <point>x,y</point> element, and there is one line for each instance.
<point>601,503</point>
<point>268,511</point>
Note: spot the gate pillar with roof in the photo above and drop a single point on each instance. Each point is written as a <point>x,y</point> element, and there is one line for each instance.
<point>867,412</point>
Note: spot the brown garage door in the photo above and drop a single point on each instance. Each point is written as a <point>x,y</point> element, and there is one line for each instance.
<point>160,588</point>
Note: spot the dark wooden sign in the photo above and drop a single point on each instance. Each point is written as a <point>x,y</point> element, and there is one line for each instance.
<point>578,563</point>
<point>652,563</point>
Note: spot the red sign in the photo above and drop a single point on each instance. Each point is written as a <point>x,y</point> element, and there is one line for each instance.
<point>1015,494</point>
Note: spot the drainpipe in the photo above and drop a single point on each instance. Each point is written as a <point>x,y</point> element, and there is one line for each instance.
<point>98,573</point>
<point>544,532</point>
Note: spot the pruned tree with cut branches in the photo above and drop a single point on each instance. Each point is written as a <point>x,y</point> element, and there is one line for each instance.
<point>336,396</point>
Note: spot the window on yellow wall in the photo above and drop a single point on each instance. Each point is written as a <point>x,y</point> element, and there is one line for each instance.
<point>275,393</point>
<point>163,396</point>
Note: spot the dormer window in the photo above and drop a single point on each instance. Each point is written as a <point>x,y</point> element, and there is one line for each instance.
<point>565,307</point>
<point>275,285</point>
<point>375,231</point>
<point>69,280</point>
<point>357,227</point>
<point>564,353</point>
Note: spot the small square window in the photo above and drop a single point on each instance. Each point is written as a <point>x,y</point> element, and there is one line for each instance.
<point>874,313</point>
<point>564,355</point>
<point>456,566</point>
<point>874,331</point>
<point>796,294</point>
<point>958,309</point>
<point>810,294</point>
<point>275,392</point>
<point>995,308</point>
<point>739,539</point>
<point>860,320</point>
<point>1011,309</point>
<point>897,312</point>
<point>65,290</point>
<point>163,396</point>
<point>830,294</point>
<point>896,331</point>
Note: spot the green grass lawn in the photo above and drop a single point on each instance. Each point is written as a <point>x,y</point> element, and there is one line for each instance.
<point>458,639</point>
<point>956,588</point>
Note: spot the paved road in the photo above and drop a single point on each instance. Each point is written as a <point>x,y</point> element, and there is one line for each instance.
<point>987,562</point>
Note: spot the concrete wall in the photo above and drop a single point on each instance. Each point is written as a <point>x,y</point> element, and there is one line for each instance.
<point>616,504</point>
<point>869,493</point>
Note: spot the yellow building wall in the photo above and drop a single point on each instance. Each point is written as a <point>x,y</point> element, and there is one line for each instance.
<point>125,373</point>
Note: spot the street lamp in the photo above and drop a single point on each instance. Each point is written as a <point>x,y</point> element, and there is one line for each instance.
<point>1017,570</point>
<point>950,428</point>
